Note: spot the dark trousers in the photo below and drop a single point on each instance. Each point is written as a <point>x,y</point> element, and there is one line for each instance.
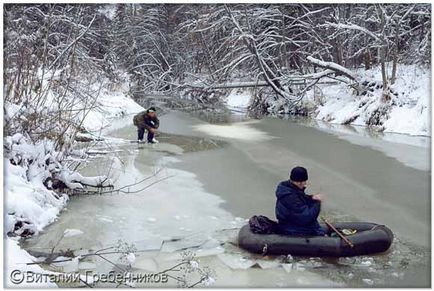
<point>141,133</point>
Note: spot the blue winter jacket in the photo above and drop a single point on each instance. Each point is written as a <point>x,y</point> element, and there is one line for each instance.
<point>296,212</point>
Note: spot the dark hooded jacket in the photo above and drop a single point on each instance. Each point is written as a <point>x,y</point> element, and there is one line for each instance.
<point>296,212</point>
<point>150,122</point>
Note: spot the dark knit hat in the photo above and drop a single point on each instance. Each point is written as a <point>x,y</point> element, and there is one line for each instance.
<point>298,174</point>
<point>151,109</point>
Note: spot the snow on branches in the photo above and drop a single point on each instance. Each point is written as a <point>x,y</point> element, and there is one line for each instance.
<point>332,66</point>
<point>36,176</point>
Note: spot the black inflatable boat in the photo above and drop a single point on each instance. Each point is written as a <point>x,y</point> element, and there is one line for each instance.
<point>369,238</point>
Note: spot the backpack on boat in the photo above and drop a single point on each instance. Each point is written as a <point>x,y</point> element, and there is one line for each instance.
<point>262,225</point>
<point>138,118</point>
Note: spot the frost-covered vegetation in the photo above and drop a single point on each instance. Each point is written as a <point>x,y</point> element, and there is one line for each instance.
<point>57,90</point>
<point>290,50</point>
<point>70,68</point>
<point>407,111</point>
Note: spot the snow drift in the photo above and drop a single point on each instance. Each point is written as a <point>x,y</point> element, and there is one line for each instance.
<point>408,111</point>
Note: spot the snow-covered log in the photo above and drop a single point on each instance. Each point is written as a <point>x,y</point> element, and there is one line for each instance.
<point>332,66</point>
<point>240,85</point>
<point>74,180</point>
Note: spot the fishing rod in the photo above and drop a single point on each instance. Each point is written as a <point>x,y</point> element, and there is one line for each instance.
<point>338,232</point>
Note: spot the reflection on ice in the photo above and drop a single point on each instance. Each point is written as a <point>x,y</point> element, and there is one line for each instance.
<point>410,150</point>
<point>240,130</point>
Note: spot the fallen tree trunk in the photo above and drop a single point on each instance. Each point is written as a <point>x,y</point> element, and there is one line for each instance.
<point>334,67</point>
<point>74,180</point>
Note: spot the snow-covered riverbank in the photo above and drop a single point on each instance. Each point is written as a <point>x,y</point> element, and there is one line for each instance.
<point>410,109</point>
<point>16,266</point>
<point>184,206</point>
<point>29,205</point>
<point>173,215</point>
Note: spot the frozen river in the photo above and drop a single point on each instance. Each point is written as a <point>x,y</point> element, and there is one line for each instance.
<point>210,177</point>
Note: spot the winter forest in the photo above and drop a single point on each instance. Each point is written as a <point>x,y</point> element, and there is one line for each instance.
<point>72,70</point>
<point>192,49</point>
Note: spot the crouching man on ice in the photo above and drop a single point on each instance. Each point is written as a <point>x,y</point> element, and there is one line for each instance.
<point>147,120</point>
<point>296,211</point>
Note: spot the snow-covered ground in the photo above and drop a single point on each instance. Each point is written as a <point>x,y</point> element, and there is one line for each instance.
<point>410,111</point>
<point>29,205</point>
<point>16,266</point>
<point>113,104</point>
<point>238,99</point>
<point>26,197</point>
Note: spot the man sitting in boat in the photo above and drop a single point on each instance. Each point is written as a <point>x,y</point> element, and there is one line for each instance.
<point>296,211</point>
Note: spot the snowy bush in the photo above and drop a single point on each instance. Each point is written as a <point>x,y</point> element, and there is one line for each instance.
<point>36,176</point>
<point>407,111</point>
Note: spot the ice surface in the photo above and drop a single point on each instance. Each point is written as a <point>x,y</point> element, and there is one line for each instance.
<point>149,244</point>
<point>71,266</point>
<point>364,262</point>
<point>287,267</point>
<point>410,150</point>
<point>299,266</point>
<point>211,243</point>
<point>240,130</point>
<point>104,219</point>
<point>268,264</point>
<point>72,232</point>
<point>147,264</point>
<point>86,266</point>
<point>368,281</point>
<point>151,219</point>
<point>181,244</point>
<point>236,261</point>
<point>209,251</point>
<point>61,261</point>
